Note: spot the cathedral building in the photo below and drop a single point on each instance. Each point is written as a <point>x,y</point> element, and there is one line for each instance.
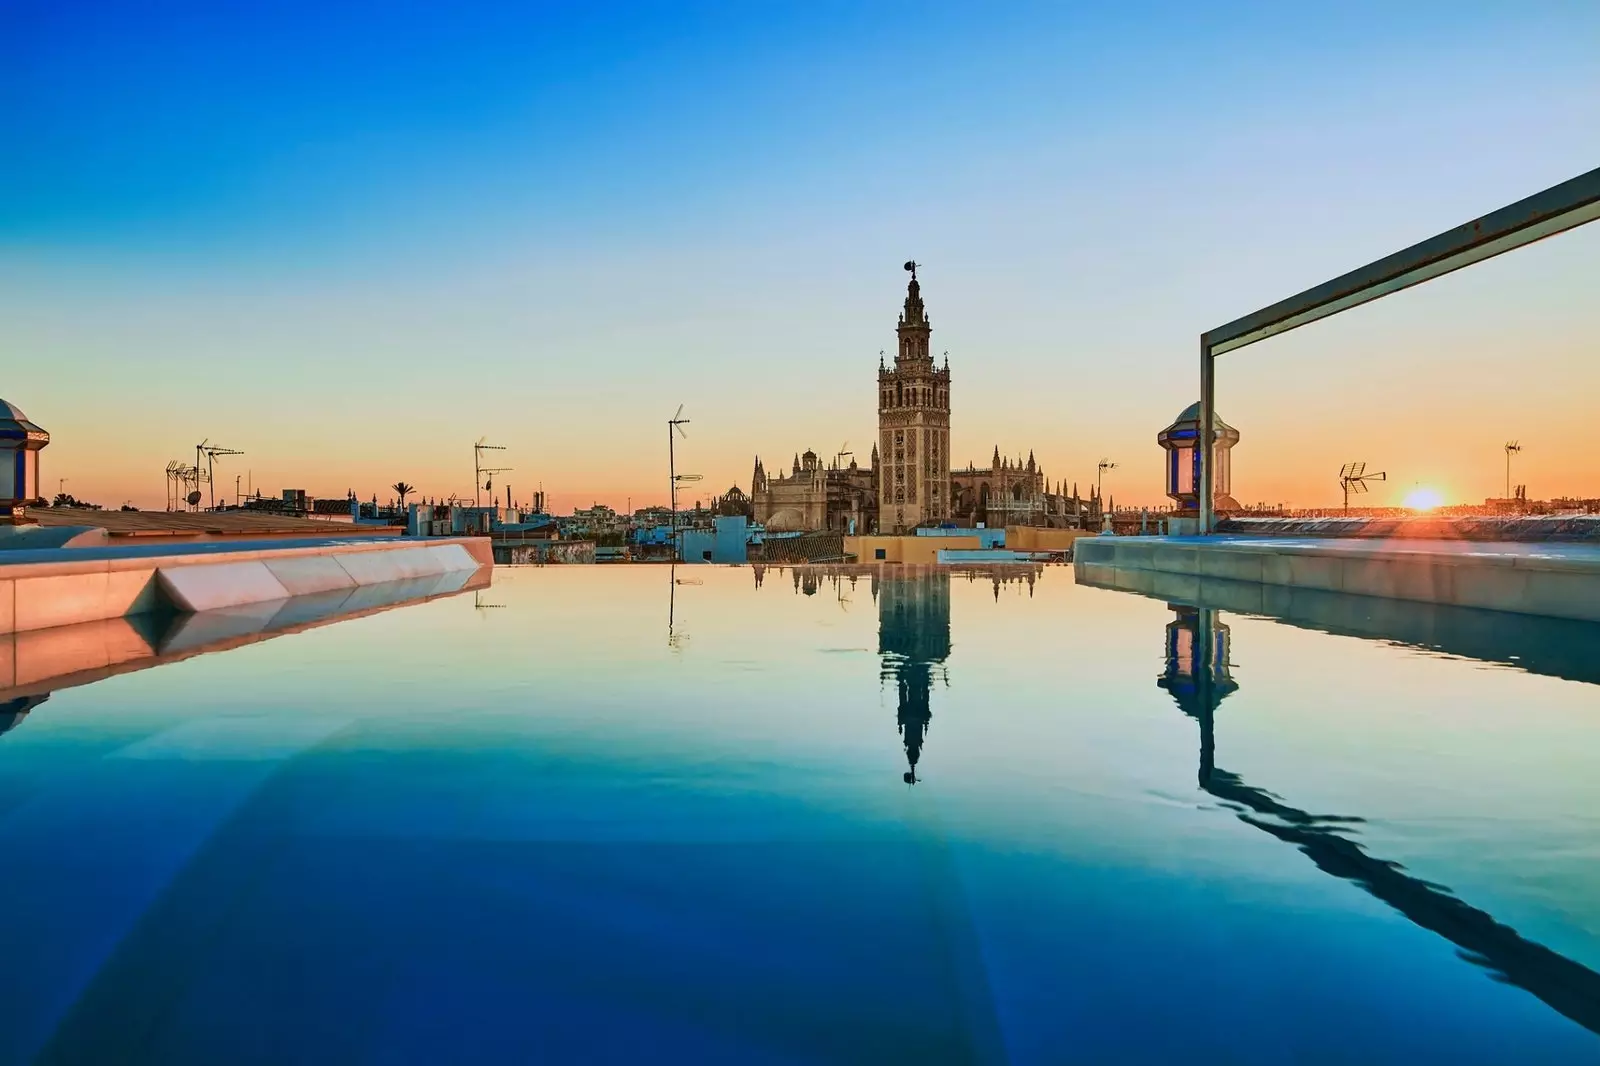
<point>911,482</point>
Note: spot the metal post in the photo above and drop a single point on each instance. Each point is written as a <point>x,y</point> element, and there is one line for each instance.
<point>1208,433</point>
<point>672,483</point>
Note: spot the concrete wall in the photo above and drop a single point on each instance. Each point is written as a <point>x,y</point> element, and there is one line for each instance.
<point>39,661</point>
<point>41,589</point>
<point>916,550</point>
<point>1034,539</point>
<point>1553,580</point>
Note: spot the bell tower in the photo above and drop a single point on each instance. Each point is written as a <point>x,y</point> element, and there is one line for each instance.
<point>913,424</point>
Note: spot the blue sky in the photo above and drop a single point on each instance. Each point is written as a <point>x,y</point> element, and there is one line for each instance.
<point>351,242</point>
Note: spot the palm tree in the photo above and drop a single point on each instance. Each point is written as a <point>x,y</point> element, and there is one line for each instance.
<point>402,490</point>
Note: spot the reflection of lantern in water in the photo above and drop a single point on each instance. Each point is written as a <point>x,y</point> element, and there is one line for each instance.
<point>1183,461</point>
<point>1197,674</point>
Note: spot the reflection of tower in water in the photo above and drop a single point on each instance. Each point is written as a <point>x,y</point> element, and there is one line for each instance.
<point>913,639</point>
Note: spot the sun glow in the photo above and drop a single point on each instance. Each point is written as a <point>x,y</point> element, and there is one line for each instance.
<point>1422,498</point>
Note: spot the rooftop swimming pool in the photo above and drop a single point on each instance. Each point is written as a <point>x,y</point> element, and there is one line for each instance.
<point>746,815</point>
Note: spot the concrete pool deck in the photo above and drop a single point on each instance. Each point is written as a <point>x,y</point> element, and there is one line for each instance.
<point>40,589</point>
<point>1554,580</point>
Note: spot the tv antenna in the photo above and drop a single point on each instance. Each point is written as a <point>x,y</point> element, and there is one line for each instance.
<point>675,428</point>
<point>1100,470</point>
<point>1353,477</point>
<point>483,476</point>
<point>180,477</point>
<point>844,450</point>
<point>210,452</point>
<point>1512,448</point>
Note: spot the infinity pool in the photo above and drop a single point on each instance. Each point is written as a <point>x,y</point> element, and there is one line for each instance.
<point>609,814</point>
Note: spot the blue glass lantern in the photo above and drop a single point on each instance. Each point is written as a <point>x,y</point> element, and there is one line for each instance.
<point>20,444</point>
<point>1183,461</point>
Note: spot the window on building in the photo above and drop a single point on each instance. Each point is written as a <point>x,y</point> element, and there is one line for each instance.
<point>880,553</point>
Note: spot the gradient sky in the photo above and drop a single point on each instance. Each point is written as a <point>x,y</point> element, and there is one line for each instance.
<point>351,239</point>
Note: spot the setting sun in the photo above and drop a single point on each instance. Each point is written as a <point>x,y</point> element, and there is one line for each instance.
<point>1423,499</point>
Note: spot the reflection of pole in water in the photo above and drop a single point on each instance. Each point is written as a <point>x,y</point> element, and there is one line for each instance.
<point>672,604</point>
<point>913,637</point>
<point>1198,677</point>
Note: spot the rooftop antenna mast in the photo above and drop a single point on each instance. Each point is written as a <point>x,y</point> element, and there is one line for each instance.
<point>479,471</point>
<point>841,454</point>
<point>1099,477</point>
<point>1353,477</point>
<point>211,451</point>
<point>675,429</point>
<point>1512,448</point>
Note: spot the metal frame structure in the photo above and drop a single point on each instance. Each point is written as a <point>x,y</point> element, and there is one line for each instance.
<point>1544,214</point>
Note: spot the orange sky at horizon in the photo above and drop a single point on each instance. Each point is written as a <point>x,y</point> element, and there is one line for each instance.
<point>1426,385</point>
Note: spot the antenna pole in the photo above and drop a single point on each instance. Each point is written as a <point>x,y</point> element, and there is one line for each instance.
<point>672,480</point>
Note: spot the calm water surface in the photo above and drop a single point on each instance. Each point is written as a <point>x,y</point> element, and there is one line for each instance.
<point>590,815</point>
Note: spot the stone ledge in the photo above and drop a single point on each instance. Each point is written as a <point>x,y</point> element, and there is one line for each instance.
<point>1557,581</point>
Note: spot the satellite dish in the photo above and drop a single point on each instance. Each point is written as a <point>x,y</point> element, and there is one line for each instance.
<point>193,498</point>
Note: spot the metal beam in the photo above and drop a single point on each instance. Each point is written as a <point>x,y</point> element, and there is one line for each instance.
<point>1207,440</point>
<point>1558,208</point>
<point>1544,214</point>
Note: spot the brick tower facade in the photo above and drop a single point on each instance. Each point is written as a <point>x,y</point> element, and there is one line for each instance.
<point>913,425</point>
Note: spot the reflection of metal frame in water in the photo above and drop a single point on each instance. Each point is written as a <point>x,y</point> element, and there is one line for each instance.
<point>1198,676</point>
<point>1556,647</point>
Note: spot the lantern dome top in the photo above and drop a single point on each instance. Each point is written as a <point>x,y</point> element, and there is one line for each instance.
<point>1192,414</point>
<point>14,425</point>
<point>1187,426</point>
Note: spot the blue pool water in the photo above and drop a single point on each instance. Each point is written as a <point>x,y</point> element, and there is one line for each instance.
<point>743,816</point>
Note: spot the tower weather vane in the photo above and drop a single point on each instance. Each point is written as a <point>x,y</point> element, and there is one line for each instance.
<point>911,265</point>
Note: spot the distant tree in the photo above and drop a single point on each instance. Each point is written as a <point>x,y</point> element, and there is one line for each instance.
<point>402,490</point>
<point>64,499</point>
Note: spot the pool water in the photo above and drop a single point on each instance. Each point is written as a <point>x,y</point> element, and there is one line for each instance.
<point>735,815</point>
